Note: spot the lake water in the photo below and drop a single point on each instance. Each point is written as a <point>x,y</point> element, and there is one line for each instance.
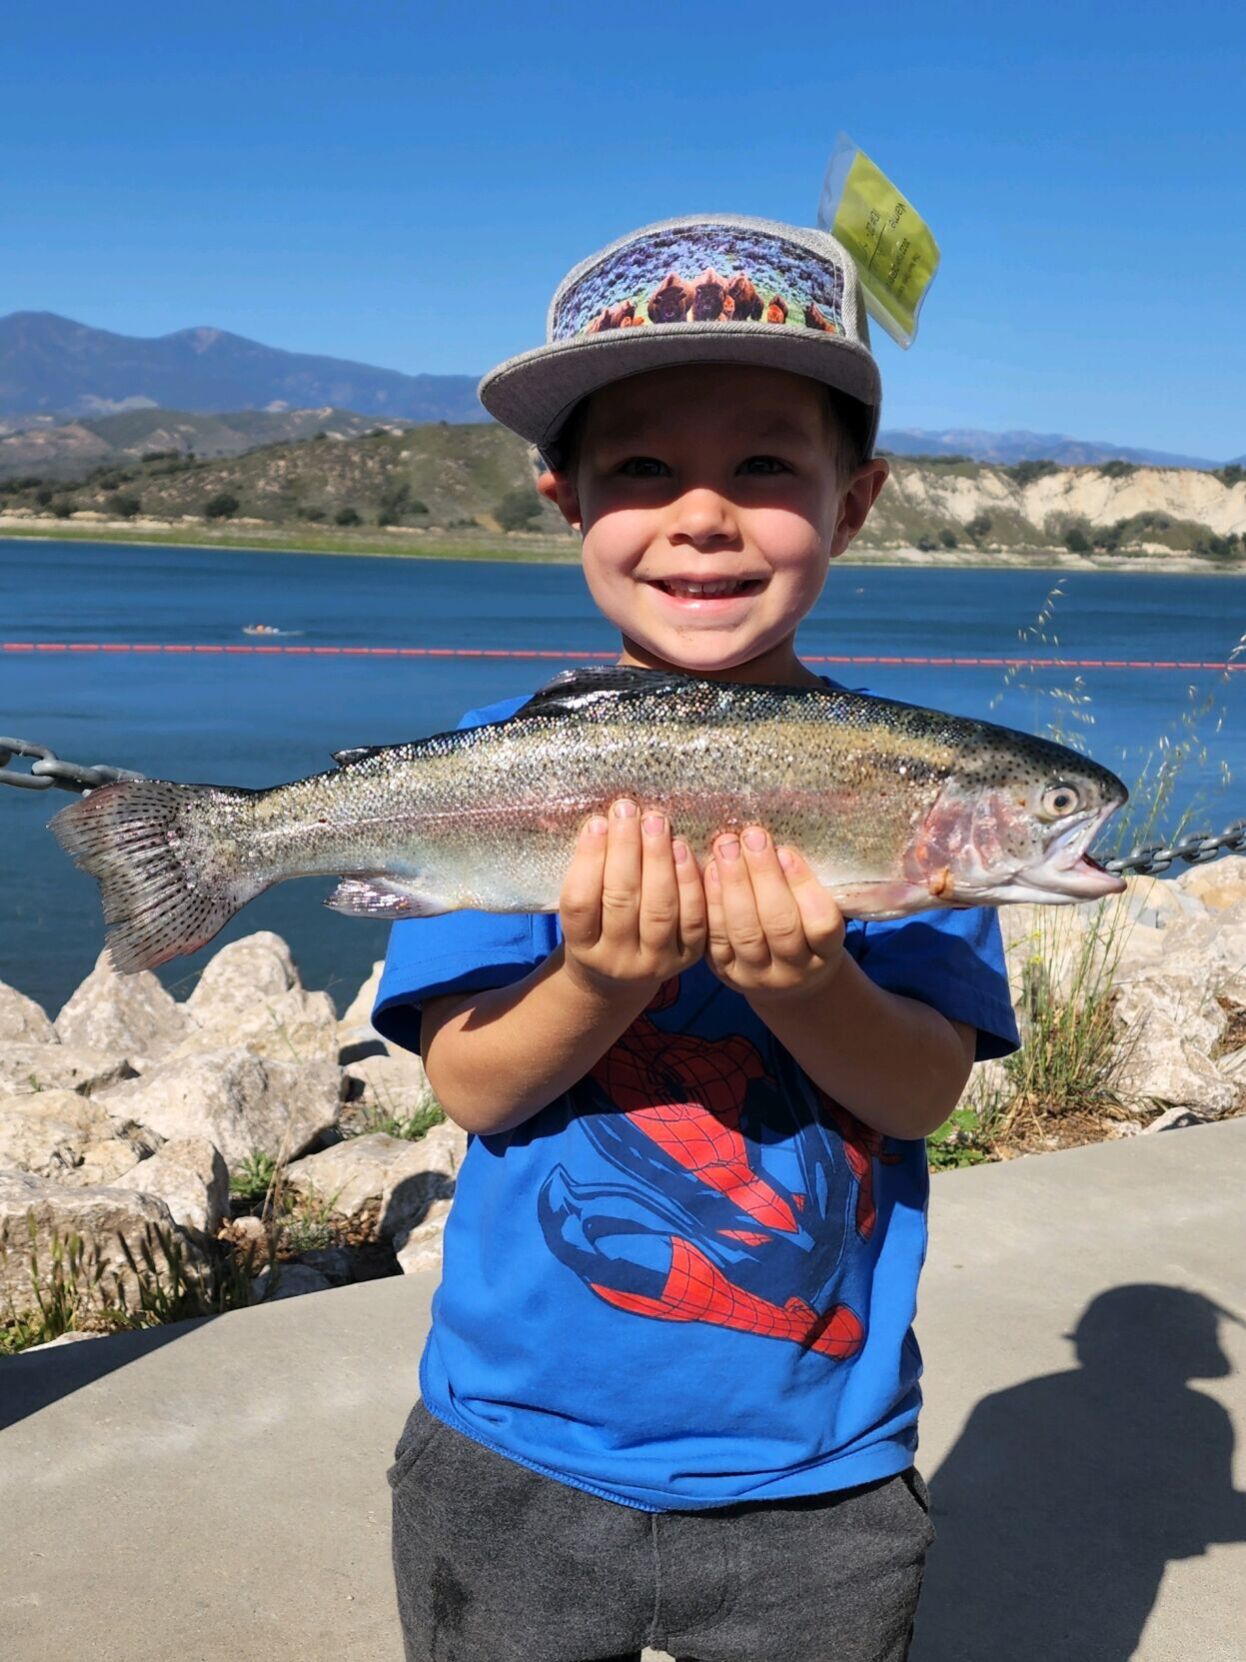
<point>259,719</point>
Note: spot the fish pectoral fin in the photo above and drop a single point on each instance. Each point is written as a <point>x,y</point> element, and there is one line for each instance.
<point>381,897</point>
<point>890,898</point>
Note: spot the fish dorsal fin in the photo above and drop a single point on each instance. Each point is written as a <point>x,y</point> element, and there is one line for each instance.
<point>355,753</point>
<point>573,689</point>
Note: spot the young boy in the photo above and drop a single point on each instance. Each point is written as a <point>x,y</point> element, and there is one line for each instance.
<point>670,1394</point>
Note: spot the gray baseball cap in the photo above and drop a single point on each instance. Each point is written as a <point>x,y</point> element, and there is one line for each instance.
<point>706,288</point>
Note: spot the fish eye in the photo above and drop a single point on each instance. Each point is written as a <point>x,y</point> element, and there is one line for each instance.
<point>1059,800</point>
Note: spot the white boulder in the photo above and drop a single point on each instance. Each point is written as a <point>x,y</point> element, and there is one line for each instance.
<point>64,1136</point>
<point>22,1021</point>
<point>28,1068</point>
<point>127,1015</point>
<point>351,1174</point>
<point>190,1177</point>
<point>419,1183</point>
<point>238,1101</point>
<point>100,1217</point>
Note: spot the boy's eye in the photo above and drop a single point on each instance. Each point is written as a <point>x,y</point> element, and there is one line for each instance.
<point>643,467</point>
<point>764,465</point>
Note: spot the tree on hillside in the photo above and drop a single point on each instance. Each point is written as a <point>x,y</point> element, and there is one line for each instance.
<point>396,501</point>
<point>1076,540</point>
<point>518,509</point>
<point>346,516</point>
<point>979,526</point>
<point>221,506</point>
<point>124,505</point>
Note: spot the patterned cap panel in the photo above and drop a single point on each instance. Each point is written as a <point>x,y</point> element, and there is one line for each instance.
<point>704,274</point>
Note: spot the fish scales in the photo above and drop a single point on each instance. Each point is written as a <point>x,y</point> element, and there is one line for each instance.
<point>895,807</point>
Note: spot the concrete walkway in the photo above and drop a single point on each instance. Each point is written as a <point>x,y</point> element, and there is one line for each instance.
<point>216,1490</point>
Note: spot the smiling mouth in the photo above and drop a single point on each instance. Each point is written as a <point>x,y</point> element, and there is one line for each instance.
<point>723,589</point>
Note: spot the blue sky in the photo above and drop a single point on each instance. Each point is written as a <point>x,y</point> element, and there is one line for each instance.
<point>405,184</point>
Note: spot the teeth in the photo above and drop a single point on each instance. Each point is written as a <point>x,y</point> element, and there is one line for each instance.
<point>694,591</point>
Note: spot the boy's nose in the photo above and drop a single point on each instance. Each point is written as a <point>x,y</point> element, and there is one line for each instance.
<point>702,517</point>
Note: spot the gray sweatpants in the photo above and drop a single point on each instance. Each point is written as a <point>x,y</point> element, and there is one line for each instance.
<point>495,1563</point>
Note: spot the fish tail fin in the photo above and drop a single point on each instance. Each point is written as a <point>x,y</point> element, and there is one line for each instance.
<point>167,885</point>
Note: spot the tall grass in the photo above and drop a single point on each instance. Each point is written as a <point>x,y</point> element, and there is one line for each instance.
<point>71,1292</point>
<point>1072,1052</point>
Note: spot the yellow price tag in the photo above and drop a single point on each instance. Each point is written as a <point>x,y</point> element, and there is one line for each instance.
<point>890,242</point>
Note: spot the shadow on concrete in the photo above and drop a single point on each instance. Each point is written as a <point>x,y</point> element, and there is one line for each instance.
<point>33,1379</point>
<point>1064,1498</point>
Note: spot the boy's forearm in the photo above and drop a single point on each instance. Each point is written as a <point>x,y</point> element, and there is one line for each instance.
<point>895,1063</point>
<point>498,1056</point>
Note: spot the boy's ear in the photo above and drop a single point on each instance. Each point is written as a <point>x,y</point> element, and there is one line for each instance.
<point>559,488</point>
<point>859,498</point>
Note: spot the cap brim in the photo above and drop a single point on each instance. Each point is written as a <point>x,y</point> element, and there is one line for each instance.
<point>534,393</point>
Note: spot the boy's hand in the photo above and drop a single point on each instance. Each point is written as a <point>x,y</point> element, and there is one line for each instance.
<point>633,904</point>
<point>773,929</point>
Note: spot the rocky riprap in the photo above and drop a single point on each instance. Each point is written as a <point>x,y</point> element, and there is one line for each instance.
<point>126,1115</point>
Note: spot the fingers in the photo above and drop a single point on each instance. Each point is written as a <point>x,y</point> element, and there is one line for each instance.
<point>633,900</point>
<point>821,920</point>
<point>580,901</point>
<point>692,907</point>
<point>767,913</point>
<point>620,882</point>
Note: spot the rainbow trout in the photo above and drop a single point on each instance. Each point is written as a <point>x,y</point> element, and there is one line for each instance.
<point>896,808</point>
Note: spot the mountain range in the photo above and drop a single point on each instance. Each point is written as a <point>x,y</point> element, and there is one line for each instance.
<point>52,366</point>
<point>54,370</point>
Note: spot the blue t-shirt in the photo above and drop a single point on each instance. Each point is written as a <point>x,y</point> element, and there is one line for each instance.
<point>690,1280</point>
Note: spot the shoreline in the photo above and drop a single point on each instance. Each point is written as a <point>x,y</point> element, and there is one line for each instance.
<point>536,550</point>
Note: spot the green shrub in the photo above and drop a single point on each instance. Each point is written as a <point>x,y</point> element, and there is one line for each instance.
<point>62,507</point>
<point>124,505</point>
<point>1076,540</point>
<point>926,545</point>
<point>518,509</point>
<point>948,539</point>
<point>1117,468</point>
<point>979,526</point>
<point>1025,473</point>
<point>221,506</point>
<point>347,516</point>
<point>1108,537</point>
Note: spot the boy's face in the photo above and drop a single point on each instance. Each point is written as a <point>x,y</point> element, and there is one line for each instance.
<point>710,508</point>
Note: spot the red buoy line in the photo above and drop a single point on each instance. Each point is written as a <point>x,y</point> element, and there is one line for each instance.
<point>905,660</point>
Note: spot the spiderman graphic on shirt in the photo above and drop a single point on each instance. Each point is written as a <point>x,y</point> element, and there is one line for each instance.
<point>738,1195</point>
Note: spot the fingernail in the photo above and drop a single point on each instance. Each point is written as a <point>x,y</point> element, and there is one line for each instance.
<point>680,851</point>
<point>755,838</point>
<point>654,824</point>
<point>625,810</point>
<point>729,848</point>
<point>787,859</point>
<point>596,826</point>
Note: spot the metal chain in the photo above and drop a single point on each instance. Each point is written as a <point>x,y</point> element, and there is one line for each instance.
<point>1156,858</point>
<point>48,769</point>
<point>1150,861</point>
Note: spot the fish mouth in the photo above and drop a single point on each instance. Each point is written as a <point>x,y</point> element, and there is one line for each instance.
<point>1066,871</point>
